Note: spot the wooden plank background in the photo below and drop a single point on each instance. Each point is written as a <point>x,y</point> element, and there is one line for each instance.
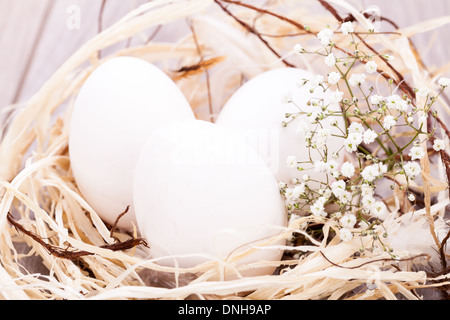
<point>35,38</point>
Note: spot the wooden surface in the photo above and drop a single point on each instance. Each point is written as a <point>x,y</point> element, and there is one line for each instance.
<point>35,37</point>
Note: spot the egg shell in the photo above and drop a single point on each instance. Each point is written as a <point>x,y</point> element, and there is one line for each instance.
<point>201,193</point>
<point>118,107</point>
<point>256,111</point>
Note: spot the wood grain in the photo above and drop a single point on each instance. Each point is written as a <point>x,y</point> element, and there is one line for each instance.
<point>35,38</point>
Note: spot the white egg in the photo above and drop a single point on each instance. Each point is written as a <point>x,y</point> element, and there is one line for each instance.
<point>201,193</point>
<point>118,107</point>
<point>257,110</point>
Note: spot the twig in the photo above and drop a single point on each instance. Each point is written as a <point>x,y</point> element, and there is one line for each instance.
<point>76,254</point>
<point>373,261</point>
<point>252,30</point>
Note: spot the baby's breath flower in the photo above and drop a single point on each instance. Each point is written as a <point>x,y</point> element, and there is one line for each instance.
<point>410,120</point>
<point>316,80</point>
<point>347,27</point>
<point>357,79</point>
<point>378,209</point>
<point>304,127</point>
<point>370,173</point>
<point>298,48</point>
<point>416,153</point>
<point>330,60</point>
<point>356,127</point>
<point>393,101</point>
<point>444,82</point>
<point>438,144</point>
<point>348,221</point>
<point>366,190</point>
<point>389,122</point>
<point>298,191</point>
<point>333,77</point>
<point>371,67</point>
<point>389,57</point>
<point>411,197</point>
<point>345,235</point>
<point>335,98</point>
<point>352,141</point>
<point>338,187</point>
<point>369,136</point>
<point>291,162</point>
<point>306,178</point>
<point>368,201</point>
<point>318,208</point>
<point>345,197</point>
<point>412,169</point>
<point>423,92</point>
<point>320,166</point>
<point>287,97</point>
<point>324,36</point>
<point>376,99</point>
<point>347,169</point>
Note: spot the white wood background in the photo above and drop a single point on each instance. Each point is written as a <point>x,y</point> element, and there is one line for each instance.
<point>35,39</point>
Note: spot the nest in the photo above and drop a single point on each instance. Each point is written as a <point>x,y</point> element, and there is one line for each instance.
<point>53,245</point>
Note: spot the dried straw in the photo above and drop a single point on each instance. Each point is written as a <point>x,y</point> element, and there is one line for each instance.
<point>38,189</point>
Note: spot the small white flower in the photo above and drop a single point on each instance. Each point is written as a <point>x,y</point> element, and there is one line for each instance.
<point>348,221</point>
<point>389,122</point>
<point>316,80</point>
<point>378,209</point>
<point>389,57</point>
<point>410,120</point>
<point>304,127</point>
<point>369,136</point>
<point>366,190</point>
<point>352,141</point>
<point>298,191</point>
<point>334,77</point>
<point>438,144</point>
<point>338,187</point>
<point>320,166</point>
<point>345,197</point>
<point>347,27</point>
<point>306,178</point>
<point>370,173</point>
<point>324,36</point>
<point>345,235</point>
<point>423,118</point>
<point>348,169</point>
<point>282,185</point>
<point>357,79</point>
<point>411,197</point>
<point>356,127</point>
<point>416,153</point>
<point>286,97</point>
<point>298,48</point>
<point>368,201</point>
<point>423,92</point>
<point>376,99</point>
<point>393,101</point>
<point>318,208</point>
<point>444,82</point>
<point>412,169</point>
<point>324,133</point>
<point>330,60</point>
<point>291,162</point>
<point>331,166</point>
<point>371,67</point>
<point>335,98</point>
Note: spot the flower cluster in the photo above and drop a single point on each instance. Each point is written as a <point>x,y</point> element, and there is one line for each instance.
<point>372,125</point>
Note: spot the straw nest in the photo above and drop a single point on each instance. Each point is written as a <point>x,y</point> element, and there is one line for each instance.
<point>54,246</point>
